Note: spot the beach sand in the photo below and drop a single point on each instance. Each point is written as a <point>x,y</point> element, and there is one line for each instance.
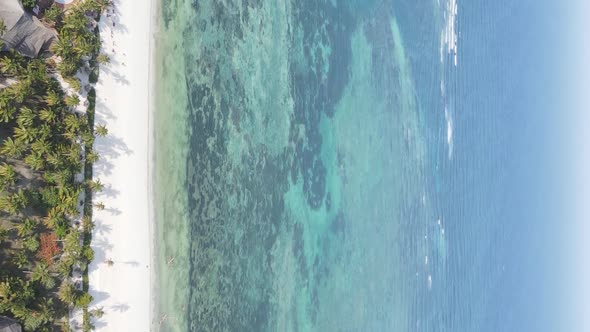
<point>123,229</point>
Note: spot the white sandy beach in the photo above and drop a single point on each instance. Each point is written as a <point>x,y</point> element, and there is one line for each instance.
<point>123,230</point>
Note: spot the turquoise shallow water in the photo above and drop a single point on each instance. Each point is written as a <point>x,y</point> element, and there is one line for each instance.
<point>290,164</point>
<point>320,166</point>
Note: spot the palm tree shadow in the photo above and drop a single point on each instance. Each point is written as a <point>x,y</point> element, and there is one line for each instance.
<point>120,307</point>
<point>113,211</point>
<point>131,263</point>
<point>102,228</point>
<point>99,323</point>
<point>102,111</point>
<point>113,15</point>
<point>103,244</point>
<point>98,296</point>
<point>108,191</point>
<point>115,74</point>
<point>109,148</point>
<point>100,247</point>
<point>103,167</point>
<point>116,18</point>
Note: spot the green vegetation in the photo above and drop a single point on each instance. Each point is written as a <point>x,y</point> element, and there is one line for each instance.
<point>29,4</point>
<point>45,222</point>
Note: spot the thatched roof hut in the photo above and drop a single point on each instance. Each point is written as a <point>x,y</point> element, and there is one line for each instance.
<point>9,325</point>
<point>23,31</point>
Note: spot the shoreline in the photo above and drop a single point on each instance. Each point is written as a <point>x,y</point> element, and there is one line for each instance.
<point>153,30</point>
<point>125,104</point>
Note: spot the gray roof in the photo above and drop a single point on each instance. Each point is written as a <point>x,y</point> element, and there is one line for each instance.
<point>9,324</point>
<point>24,32</point>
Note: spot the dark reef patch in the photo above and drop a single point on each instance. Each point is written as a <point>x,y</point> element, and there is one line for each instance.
<point>236,205</point>
<point>315,94</point>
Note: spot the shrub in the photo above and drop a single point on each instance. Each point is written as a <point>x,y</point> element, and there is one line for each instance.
<point>88,253</point>
<point>29,4</point>
<point>93,77</point>
<point>48,248</point>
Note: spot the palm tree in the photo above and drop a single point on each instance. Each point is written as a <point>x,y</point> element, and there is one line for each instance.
<point>42,315</point>
<point>83,300</point>
<point>5,289</point>
<point>30,243</point>
<point>61,47</point>
<point>47,115</point>
<point>73,243</point>
<point>8,205</point>
<point>41,146</point>
<point>83,46</point>
<point>72,101</point>
<point>44,131</point>
<point>73,154</point>
<point>103,59</point>
<point>68,68</point>
<point>99,206</point>
<point>87,224</point>
<point>75,21</point>
<point>4,236</point>
<point>35,161</point>
<point>96,5</point>
<point>61,177</point>
<point>5,98</point>
<point>52,98</point>
<point>36,73</point>
<point>8,175</point>
<point>72,123</point>
<point>92,156</point>
<point>64,266</point>
<point>53,158</point>
<point>54,217</point>
<point>53,15</point>
<point>101,130</point>
<point>67,293</point>
<point>12,148</point>
<point>61,230</point>
<point>26,117</point>
<point>10,66</point>
<point>97,312</point>
<point>25,227</point>
<point>41,273</point>
<point>12,203</point>
<point>95,185</point>
<point>20,259</point>
<point>25,134</point>
<point>67,202</point>
<point>70,135</point>
<point>21,90</point>
<point>7,113</point>
<point>20,198</point>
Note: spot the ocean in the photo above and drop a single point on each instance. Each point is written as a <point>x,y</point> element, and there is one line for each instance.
<point>326,165</point>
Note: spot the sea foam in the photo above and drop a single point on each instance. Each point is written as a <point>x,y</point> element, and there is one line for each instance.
<point>448,36</point>
<point>449,120</point>
<point>448,55</point>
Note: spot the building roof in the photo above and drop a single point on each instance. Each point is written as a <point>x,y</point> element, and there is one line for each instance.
<point>24,32</point>
<point>9,325</point>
